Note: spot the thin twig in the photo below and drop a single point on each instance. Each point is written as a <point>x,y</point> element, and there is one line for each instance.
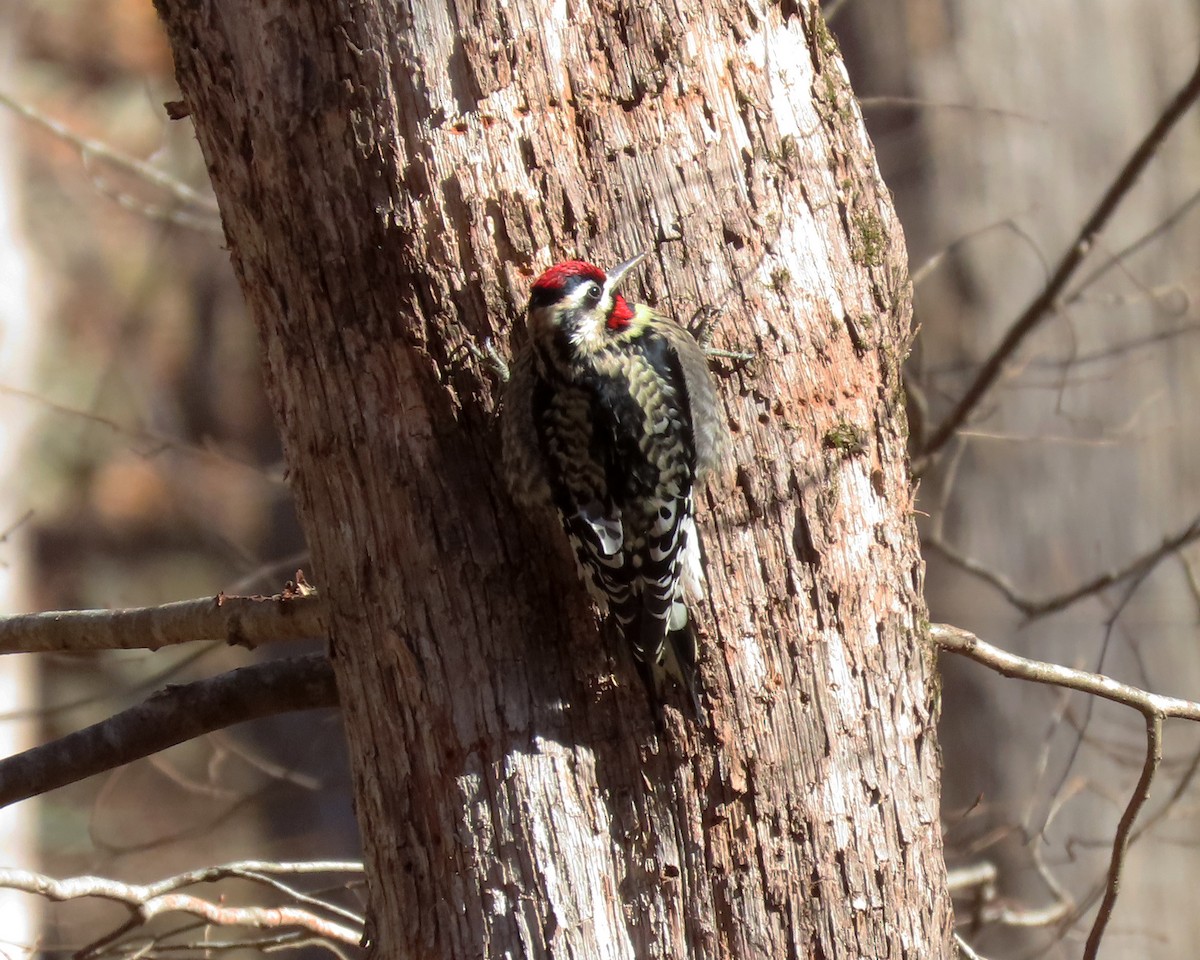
<point>1033,608</point>
<point>95,148</point>
<point>1086,902</point>
<point>171,716</point>
<point>966,949</point>
<point>917,103</point>
<point>1046,301</point>
<point>124,692</point>
<point>158,212</point>
<point>269,572</point>
<point>933,262</point>
<point>1154,727</point>
<point>16,525</point>
<point>156,442</point>
<point>980,879</point>
<point>1043,765</point>
<point>1153,706</point>
<point>1131,248</point>
<point>147,901</point>
<point>299,896</point>
<point>1137,577</point>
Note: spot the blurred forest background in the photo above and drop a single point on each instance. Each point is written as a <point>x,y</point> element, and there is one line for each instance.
<point>139,463</point>
<point>149,469</point>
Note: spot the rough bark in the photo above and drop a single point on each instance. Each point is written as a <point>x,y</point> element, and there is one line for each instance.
<point>390,179</point>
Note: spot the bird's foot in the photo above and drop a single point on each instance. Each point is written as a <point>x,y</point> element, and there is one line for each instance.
<point>703,325</point>
<point>488,355</point>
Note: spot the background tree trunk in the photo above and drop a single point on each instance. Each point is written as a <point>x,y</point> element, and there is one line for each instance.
<point>19,329</point>
<point>390,180</point>
<point>995,166</point>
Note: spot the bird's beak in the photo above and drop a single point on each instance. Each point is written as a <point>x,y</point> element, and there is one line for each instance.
<point>617,272</point>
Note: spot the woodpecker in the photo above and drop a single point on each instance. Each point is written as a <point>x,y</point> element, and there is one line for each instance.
<point>611,418</point>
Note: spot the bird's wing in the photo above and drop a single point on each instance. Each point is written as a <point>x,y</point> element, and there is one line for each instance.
<point>710,431</point>
<point>598,537</point>
<point>524,465</point>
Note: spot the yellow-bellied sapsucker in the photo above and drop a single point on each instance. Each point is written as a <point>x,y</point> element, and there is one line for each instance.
<point>611,417</point>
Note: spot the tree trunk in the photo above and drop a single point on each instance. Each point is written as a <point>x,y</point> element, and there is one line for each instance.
<point>390,179</point>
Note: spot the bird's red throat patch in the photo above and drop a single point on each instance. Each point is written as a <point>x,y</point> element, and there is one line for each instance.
<point>621,314</point>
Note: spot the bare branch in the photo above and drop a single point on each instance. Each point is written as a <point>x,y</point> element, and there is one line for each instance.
<point>1162,227</point>
<point>300,896</point>
<point>171,716</point>
<point>1046,301</point>
<point>15,526</point>
<point>965,643</point>
<point>147,901</point>
<point>252,870</point>
<point>971,876</point>
<point>919,275</point>
<point>136,688</point>
<point>1185,782</point>
<point>157,211</point>
<point>1154,707</point>
<point>966,949</point>
<point>241,621</point>
<point>980,878</point>
<point>918,103</point>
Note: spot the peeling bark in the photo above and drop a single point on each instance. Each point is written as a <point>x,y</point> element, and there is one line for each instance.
<point>390,180</point>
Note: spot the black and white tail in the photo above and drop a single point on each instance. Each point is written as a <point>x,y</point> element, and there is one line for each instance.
<point>646,583</point>
<point>655,618</point>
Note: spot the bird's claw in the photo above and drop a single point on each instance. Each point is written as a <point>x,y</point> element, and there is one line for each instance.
<point>490,356</point>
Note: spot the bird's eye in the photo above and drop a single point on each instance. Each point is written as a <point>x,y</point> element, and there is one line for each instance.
<point>592,293</point>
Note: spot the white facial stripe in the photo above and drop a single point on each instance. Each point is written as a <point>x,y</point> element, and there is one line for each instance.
<point>578,296</point>
<point>587,326</point>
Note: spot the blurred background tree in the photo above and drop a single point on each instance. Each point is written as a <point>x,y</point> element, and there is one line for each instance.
<point>999,127</point>
<point>19,328</point>
<point>153,473</point>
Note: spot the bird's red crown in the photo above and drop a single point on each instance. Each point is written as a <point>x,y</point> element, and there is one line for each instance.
<point>554,279</point>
